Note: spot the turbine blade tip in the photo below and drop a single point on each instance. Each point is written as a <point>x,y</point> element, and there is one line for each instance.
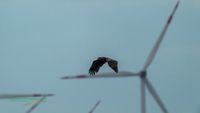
<point>64,77</point>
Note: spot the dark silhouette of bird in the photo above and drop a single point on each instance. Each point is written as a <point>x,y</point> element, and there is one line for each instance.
<point>100,61</point>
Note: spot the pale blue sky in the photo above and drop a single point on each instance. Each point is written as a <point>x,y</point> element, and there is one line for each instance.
<point>43,40</point>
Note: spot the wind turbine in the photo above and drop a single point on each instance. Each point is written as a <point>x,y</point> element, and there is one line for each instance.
<point>9,96</point>
<point>95,106</point>
<point>143,73</point>
<point>36,104</point>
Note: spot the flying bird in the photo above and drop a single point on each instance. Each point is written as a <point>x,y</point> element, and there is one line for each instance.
<point>100,61</point>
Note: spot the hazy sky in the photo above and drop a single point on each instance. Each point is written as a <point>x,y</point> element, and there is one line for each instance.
<point>43,40</point>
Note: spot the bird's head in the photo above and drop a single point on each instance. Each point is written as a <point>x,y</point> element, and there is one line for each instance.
<point>101,58</point>
<point>108,59</point>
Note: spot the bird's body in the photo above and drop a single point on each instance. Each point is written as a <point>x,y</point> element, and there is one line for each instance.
<point>99,62</point>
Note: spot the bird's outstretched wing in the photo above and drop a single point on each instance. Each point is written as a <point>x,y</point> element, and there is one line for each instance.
<point>96,65</point>
<point>113,64</point>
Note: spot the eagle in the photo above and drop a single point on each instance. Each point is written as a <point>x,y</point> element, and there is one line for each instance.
<point>100,61</point>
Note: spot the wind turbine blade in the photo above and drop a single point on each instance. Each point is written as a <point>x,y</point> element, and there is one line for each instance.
<point>159,40</point>
<point>155,95</point>
<point>104,75</point>
<point>8,96</point>
<point>95,106</point>
<point>36,104</point>
<point>143,100</point>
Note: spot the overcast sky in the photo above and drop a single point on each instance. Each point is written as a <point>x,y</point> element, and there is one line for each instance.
<point>43,40</point>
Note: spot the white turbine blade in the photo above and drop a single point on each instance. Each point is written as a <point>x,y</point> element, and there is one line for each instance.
<point>143,100</point>
<point>159,40</point>
<point>36,104</point>
<point>8,96</point>
<point>95,106</point>
<point>155,95</point>
<point>104,75</point>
